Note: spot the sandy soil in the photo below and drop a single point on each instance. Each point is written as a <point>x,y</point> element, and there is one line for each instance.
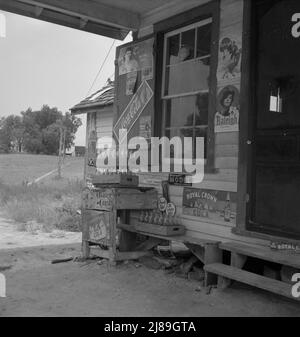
<point>35,287</point>
<point>10,237</point>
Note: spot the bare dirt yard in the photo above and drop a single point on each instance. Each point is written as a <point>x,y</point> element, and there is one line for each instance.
<point>35,287</point>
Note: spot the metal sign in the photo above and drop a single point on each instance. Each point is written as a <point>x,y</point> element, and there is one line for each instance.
<point>134,109</point>
<point>178,180</point>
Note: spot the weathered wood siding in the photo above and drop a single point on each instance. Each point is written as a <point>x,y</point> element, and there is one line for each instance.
<point>104,122</point>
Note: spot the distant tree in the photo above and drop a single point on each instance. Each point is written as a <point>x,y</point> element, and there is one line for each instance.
<point>11,133</point>
<point>42,129</point>
<point>37,131</point>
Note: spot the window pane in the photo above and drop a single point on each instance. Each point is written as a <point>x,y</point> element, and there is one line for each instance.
<point>181,132</point>
<point>201,132</point>
<point>172,49</point>
<point>187,48</point>
<point>180,111</point>
<point>201,117</point>
<point>187,77</point>
<point>203,40</point>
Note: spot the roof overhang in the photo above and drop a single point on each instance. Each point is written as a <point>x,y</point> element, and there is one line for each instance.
<point>86,15</point>
<point>110,18</point>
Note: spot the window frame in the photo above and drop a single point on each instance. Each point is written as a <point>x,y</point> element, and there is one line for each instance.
<point>209,11</point>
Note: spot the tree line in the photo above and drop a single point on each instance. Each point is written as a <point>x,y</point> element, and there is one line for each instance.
<point>37,132</point>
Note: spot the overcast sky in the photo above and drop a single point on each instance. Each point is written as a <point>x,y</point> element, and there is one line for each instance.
<point>43,63</point>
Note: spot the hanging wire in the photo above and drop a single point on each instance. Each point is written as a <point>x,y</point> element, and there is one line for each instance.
<point>102,65</point>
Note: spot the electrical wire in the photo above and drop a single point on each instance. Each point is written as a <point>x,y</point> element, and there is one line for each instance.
<point>102,65</point>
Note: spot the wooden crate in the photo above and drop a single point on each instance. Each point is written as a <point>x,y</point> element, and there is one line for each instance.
<point>121,180</point>
<point>107,199</point>
<point>160,230</point>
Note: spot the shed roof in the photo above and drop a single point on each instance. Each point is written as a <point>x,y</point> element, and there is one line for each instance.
<point>99,99</point>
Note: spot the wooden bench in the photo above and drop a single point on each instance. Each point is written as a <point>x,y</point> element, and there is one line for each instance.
<point>239,255</point>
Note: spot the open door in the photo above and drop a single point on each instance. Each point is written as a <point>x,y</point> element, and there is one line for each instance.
<point>275,197</point>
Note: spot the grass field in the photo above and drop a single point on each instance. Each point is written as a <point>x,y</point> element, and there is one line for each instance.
<point>51,202</point>
<point>17,168</point>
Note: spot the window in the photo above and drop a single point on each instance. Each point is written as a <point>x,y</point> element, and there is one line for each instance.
<point>185,89</point>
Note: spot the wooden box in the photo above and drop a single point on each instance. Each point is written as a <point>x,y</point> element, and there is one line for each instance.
<point>160,230</point>
<point>108,199</point>
<point>121,180</point>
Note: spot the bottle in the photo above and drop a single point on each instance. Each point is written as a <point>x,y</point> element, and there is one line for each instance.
<point>146,219</point>
<point>227,210</point>
<point>142,216</point>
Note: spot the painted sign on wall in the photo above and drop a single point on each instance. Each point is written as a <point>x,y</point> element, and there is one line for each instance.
<point>134,109</point>
<point>209,204</point>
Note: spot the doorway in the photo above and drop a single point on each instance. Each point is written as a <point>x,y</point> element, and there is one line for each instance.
<point>275,197</point>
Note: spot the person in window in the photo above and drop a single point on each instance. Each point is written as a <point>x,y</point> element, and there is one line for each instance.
<point>129,64</point>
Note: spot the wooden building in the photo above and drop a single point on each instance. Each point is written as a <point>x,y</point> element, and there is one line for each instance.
<point>100,114</point>
<point>225,70</point>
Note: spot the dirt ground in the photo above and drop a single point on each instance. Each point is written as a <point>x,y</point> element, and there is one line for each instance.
<point>35,287</point>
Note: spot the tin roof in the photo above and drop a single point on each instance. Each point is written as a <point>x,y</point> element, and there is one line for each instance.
<point>101,98</point>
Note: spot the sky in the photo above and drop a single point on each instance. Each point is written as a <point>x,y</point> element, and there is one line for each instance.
<point>42,63</point>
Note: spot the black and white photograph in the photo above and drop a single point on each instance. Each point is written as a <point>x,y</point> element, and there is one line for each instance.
<point>150,162</point>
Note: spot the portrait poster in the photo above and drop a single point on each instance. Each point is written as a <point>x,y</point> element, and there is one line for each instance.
<point>137,57</point>
<point>209,204</point>
<point>230,54</point>
<point>228,110</point>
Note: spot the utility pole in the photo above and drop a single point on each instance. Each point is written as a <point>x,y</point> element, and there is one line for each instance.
<point>62,149</point>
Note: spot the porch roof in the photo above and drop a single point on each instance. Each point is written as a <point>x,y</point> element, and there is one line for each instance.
<point>110,18</point>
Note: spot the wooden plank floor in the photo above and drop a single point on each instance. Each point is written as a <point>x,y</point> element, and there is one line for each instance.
<point>252,279</point>
<point>263,253</point>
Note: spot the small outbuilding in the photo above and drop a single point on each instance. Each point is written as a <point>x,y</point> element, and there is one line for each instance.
<point>99,110</point>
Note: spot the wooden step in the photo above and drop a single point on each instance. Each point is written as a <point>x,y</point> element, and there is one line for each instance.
<point>265,283</point>
<point>263,253</point>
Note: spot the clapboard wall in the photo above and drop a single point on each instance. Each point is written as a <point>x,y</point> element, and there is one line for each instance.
<point>104,122</point>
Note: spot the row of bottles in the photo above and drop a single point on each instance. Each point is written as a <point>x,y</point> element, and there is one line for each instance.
<point>159,218</point>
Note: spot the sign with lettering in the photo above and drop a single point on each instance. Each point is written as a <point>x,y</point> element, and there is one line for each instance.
<point>98,200</point>
<point>134,109</point>
<point>99,228</point>
<point>209,204</point>
<point>178,180</point>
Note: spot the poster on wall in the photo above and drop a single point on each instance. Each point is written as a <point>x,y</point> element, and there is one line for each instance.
<point>137,57</point>
<point>209,204</point>
<point>230,55</point>
<point>228,110</point>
